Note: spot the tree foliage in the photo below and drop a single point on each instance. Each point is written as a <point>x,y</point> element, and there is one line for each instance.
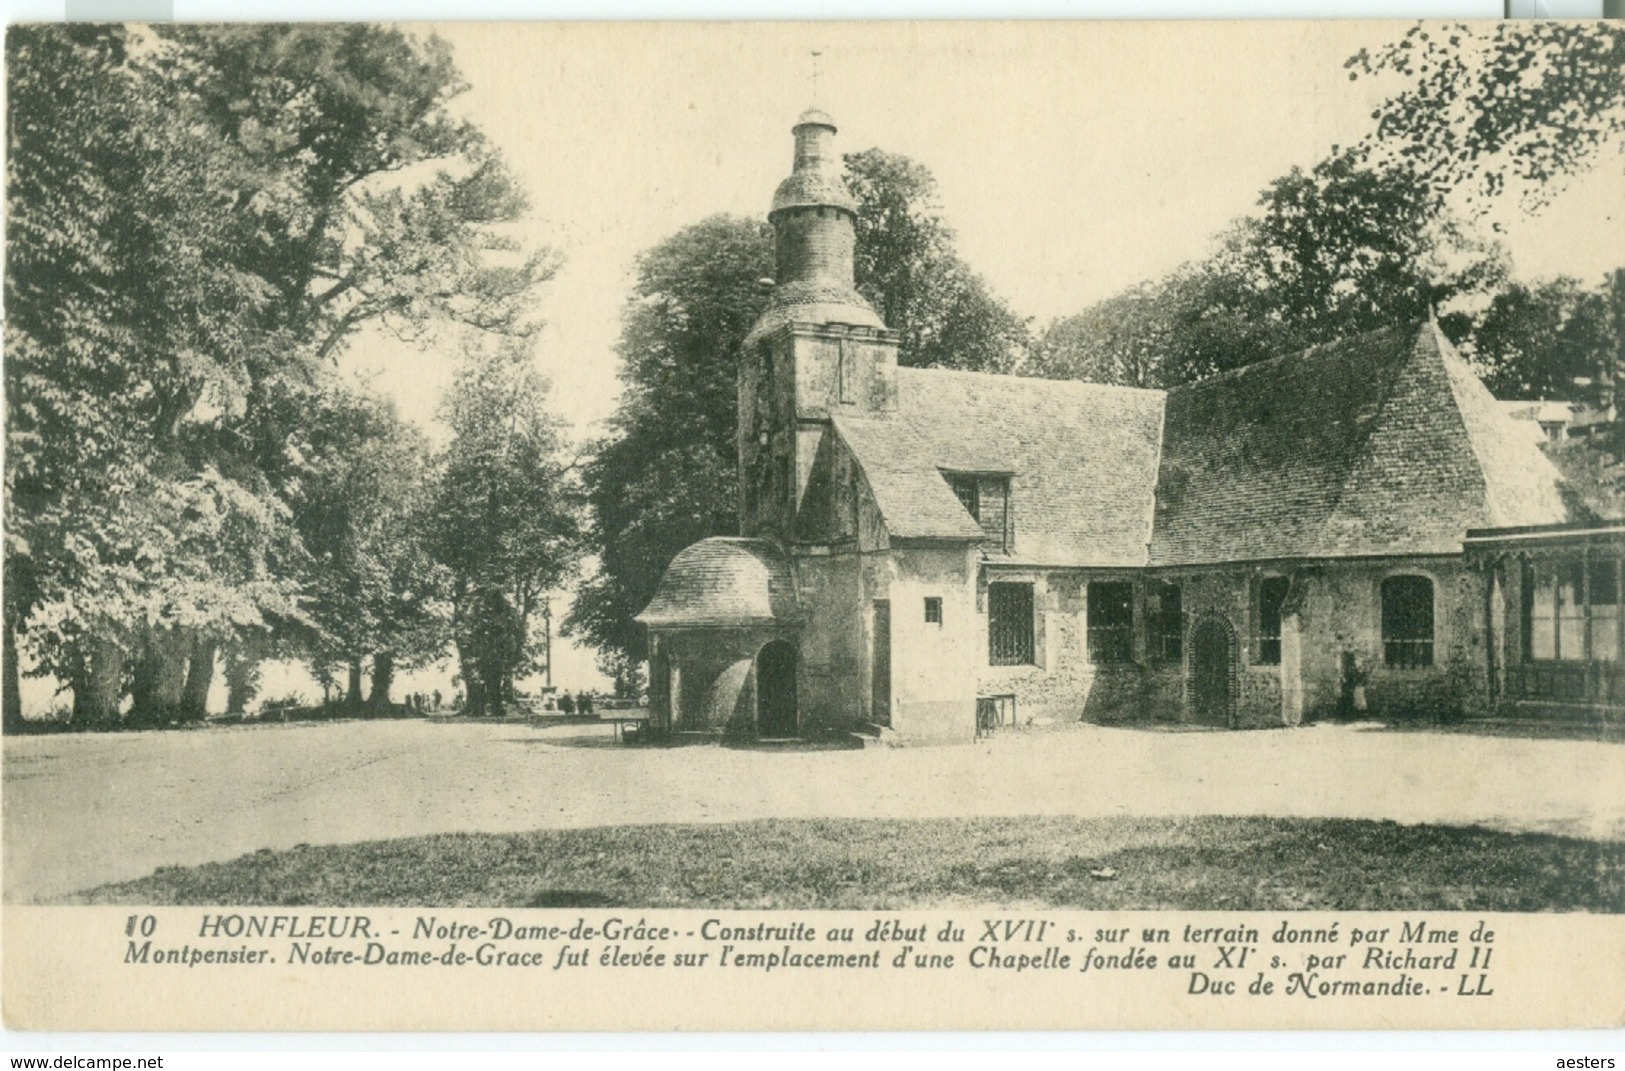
<point>1516,105</point>
<point>357,479</point>
<point>1389,229</point>
<point>200,218</point>
<point>666,475</point>
<point>504,521</point>
<point>1332,252</point>
<point>905,264</point>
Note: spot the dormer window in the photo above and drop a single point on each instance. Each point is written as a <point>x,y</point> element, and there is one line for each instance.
<point>969,494</point>
<point>986,497</point>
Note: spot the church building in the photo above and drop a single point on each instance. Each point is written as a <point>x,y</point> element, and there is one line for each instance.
<point>927,554</point>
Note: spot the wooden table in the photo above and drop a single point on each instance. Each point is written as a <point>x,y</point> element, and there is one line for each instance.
<point>638,716</point>
<point>990,711</point>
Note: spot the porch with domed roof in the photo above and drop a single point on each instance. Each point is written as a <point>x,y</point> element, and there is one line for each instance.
<point>723,630</point>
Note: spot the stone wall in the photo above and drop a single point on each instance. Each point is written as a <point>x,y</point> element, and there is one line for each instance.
<point>814,242</point>
<point>832,681</point>
<point>790,384</point>
<point>933,680</point>
<point>1062,684</point>
<point>1333,609</point>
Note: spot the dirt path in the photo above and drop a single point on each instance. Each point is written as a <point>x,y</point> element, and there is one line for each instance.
<point>83,810</point>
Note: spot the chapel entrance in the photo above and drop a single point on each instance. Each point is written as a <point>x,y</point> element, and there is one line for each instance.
<point>776,690</point>
<point>1212,665</point>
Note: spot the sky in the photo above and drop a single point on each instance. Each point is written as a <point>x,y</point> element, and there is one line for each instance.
<point>1074,159</point>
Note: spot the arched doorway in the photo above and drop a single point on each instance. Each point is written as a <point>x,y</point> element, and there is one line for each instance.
<point>776,689</point>
<point>1213,660</point>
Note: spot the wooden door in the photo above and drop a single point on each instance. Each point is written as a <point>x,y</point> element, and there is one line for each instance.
<point>776,690</point>
<point>1210,674</point>
<point>880,664</point>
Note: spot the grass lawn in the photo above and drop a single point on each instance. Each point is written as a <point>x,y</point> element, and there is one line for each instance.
<point>1090,863</point>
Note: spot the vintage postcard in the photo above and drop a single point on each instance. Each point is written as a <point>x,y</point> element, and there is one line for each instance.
<point>843,526</point>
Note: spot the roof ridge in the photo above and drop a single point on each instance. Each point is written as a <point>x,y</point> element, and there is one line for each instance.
<point>1011,377</point>
<point>1480,459</point>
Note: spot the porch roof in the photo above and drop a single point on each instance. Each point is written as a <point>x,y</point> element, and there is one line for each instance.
<point>724,582</point>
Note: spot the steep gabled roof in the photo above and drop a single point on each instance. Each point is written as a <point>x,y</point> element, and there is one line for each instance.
<point>1381,444</point>
<point>1082,459</point>
<point>907,484</point>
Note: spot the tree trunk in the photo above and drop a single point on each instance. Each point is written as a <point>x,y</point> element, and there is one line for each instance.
<point>352,693</point>
<point>97,689</point>
<point>491,676</point>
<point>473,694</point>
<point>242,680</point>
<point>159,680</point>
<point>13,702</point>
<point>383,675</point>
<point>199,678</point>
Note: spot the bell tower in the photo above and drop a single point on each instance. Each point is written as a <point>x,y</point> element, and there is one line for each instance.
<point>818,349</point>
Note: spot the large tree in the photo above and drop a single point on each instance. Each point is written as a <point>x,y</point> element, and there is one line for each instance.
<point>504,521</point>
<point>201,218</point>
<point>123,315</point>
<point>1384,230</point>
<point>1331,252</point>
<point>358,479</point>
<point>906,265</point>
<point>665,476</point>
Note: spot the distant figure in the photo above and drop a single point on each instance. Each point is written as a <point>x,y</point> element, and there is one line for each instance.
<point>566,704</point>
<point>584,702</point>
<point>437,699</point>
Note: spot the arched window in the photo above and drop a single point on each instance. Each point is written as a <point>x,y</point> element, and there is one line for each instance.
<point>1407,622</point>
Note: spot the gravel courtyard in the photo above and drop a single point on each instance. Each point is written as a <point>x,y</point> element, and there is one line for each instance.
<point>81,810</point>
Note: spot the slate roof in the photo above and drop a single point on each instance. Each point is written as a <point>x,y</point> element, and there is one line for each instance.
<point>1385,444</point>
<point>815,117</point>
<point>813,301</point>
<point>1083,459</point>
<point>1382,444</point>
<point>812,188</point>
<point>725,582</point>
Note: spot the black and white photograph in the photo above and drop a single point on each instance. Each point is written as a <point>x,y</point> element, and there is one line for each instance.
<point>1091,524</point>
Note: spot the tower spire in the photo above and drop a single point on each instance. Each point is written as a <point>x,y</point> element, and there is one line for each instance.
<point>814,217</point>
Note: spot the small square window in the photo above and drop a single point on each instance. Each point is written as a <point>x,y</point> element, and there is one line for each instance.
<point>933,610</point>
